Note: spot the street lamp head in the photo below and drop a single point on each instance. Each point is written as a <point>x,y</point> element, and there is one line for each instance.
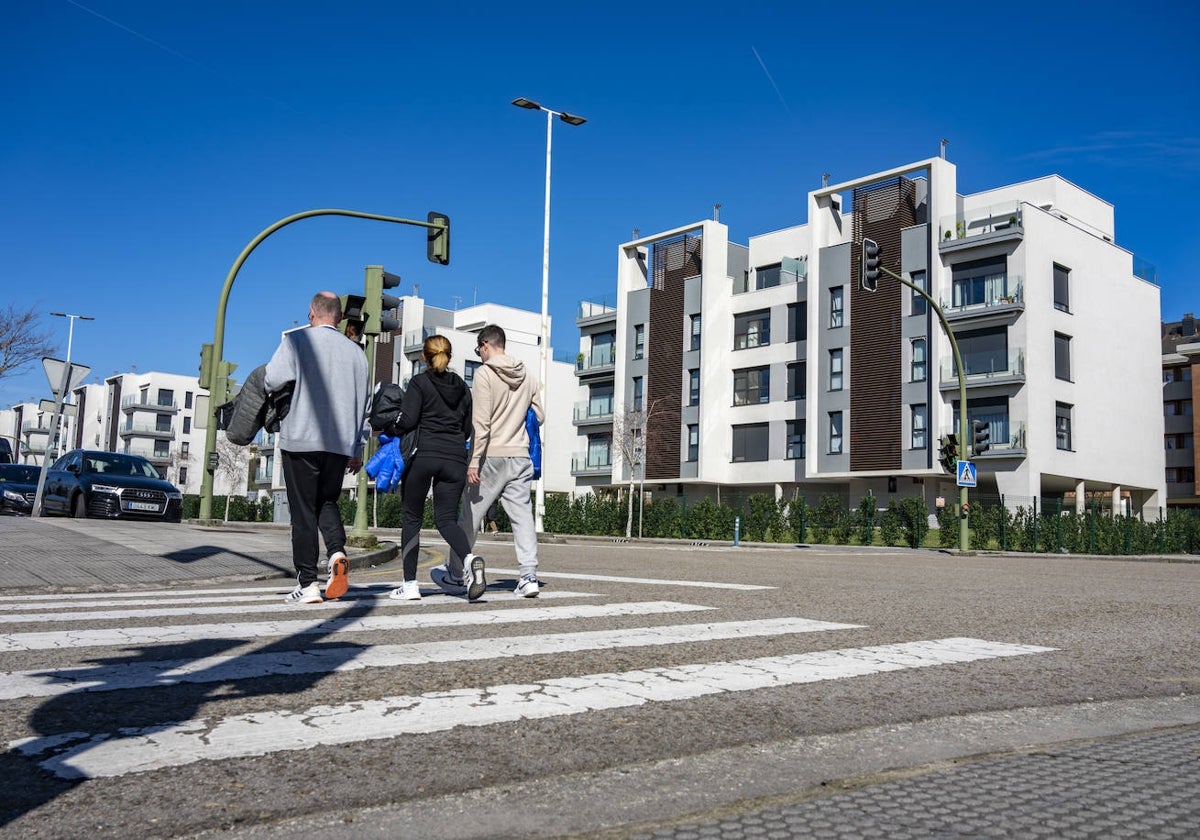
<point>522,102</point>
<point>572,119</point>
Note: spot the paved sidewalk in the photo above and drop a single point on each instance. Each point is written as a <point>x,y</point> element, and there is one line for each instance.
<point>93,554</point>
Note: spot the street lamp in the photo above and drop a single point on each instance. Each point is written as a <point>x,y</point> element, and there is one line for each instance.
<point>569,119</point>
<point>70,337</point>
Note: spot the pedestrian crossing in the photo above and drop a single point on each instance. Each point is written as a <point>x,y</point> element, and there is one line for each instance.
<point>108,646</point>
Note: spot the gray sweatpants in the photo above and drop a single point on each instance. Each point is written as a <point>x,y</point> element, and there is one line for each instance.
<point>510,480</point>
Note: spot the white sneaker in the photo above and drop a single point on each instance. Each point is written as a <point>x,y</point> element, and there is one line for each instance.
<point>410,590</point>
<point>310,594</point>
<point>441,576</point>
<point>527,587</point>
<point>473,576</point>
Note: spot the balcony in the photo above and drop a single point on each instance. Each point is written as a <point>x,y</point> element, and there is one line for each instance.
<point>267,441</point>
<point>1007,441</point>
<point>594,464</point>
<point>791,270</point>
<point>415,340</point>
<point>996,223</point>
<point>587,413</point>
<point>140,403</point>
<point>137,430</point>
<point>34,427</point>
<point>993,299</point>
<point>984,371</point>
<point>590,314</point>
<point>600,361</point>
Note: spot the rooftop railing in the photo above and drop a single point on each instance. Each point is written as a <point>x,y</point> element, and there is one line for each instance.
<point>997,217</point>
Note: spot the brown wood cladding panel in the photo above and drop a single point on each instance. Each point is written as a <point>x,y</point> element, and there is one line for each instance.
<point>385,362</point>
<point>675,260</point>
<point>876,350</point>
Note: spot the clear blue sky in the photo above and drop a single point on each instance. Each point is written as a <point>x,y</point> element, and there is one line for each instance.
<point>146,142</point>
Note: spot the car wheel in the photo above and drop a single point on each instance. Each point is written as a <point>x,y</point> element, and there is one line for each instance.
<point>79,507</point>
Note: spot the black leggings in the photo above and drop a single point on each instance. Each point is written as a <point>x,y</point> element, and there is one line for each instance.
<point>448,478</point>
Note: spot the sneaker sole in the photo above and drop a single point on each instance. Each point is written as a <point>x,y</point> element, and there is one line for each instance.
<point>478,580</point>
<point>339,579</point>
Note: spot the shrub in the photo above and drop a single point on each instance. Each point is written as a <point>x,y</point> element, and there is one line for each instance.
<point>866,519</point>
<point>913,515</point>
<point>891,526</point>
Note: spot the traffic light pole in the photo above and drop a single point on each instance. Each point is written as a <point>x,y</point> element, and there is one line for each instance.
<point>964,542</point>
<point>217,390</point>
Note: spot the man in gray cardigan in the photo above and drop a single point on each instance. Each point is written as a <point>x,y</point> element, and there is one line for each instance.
<point>321,438</point>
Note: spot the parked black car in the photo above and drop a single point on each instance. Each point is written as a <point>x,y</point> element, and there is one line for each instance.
<point>86,482</point>
<point>18,487</point>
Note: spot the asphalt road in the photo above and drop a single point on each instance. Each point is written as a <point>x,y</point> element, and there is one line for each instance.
<point>648,685</point>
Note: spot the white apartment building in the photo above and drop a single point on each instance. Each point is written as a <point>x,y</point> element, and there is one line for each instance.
<point>767,368</point>
<point>159,416</point>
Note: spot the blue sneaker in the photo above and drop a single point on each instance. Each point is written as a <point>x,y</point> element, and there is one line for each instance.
<point>451,586</point>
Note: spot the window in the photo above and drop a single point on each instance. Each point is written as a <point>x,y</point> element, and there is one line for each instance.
<point>600,400</point>
<point>637,392</point>
<point>162,448</point>
<point>750,442</point>
<point>695,333</point>
<point>835,307</point>
<point>599,451</point>
<point>920,367</point>
<point>796,439</point>
<point>187,399</point>
<point>835,370</point>
<point>1180,441</point>
<point>751,329</point>
<point>766,276</point>
<point>1181,475</point>
<point>984,351</point>
<point>752,385</point>
<point>166,396</point>
<point>1062,356</point>
<point>183,475</point>
<point>639,341</point>
<point>603,349</point>
<point>187,425</point>
<point>693,442</point>
<point>694,386</point>
<point>980,282</point>
<point>919,305</point>
<point>920,416</point>
<point>1177,374</point>
<point>162,422</point>
<point>469,368</point>
<point>797,315</point>
<point>835,432</point>
<point>1062,288</point>
<point>994,412</point>
<point>1062,425</point>
<point>418,366</point>
<point>183,449</point>
<point>1176,408</point>
<point>796,389</point>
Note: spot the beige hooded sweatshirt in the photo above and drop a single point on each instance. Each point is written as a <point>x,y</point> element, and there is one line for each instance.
<point>501,394</point>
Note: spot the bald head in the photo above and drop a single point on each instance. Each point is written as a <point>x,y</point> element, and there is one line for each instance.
<point>326,308</point>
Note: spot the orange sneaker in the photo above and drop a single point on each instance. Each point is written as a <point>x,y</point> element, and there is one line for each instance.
<point>339,577</point>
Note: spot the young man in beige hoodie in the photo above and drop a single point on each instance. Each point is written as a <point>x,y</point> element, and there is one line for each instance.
<point>499,468</point>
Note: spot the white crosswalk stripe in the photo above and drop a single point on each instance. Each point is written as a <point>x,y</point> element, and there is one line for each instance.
<point>317,640</point>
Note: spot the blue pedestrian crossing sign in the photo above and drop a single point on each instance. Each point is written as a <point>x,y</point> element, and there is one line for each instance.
<point>966,474</point>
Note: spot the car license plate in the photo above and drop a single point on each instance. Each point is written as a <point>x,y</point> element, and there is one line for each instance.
<point>150,506</point>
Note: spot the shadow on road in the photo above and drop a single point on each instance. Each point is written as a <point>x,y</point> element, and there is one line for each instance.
<point>37,770</point>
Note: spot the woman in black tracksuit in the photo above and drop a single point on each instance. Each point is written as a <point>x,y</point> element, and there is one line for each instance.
<point>438,404</point>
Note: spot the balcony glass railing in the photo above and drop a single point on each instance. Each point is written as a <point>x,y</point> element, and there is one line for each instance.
<point>600,357</point>
<point>993,291</point>
<point>593,411</point>
<point>589,309</point>
<point>984,366</point>
<point>142,429</point>
<point>993,219</point>
<point>145,402</point>
<point>790,270</point>
<point>1004,435</point>
<point>591,462</point>
<point>417,337</point>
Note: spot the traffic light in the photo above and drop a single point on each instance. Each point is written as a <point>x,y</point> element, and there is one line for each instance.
<point>437,246</point>
<point>353,319</point>
<point>870,265</point>
<point>206,366</point>
<point>379,305</point>
<point>981,436</point>
<point>948,454</point>
<point>224,371</point>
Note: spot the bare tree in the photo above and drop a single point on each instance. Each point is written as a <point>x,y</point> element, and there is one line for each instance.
<point>233,463</point>
<point>635,432</point>
<point>22,339</point>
